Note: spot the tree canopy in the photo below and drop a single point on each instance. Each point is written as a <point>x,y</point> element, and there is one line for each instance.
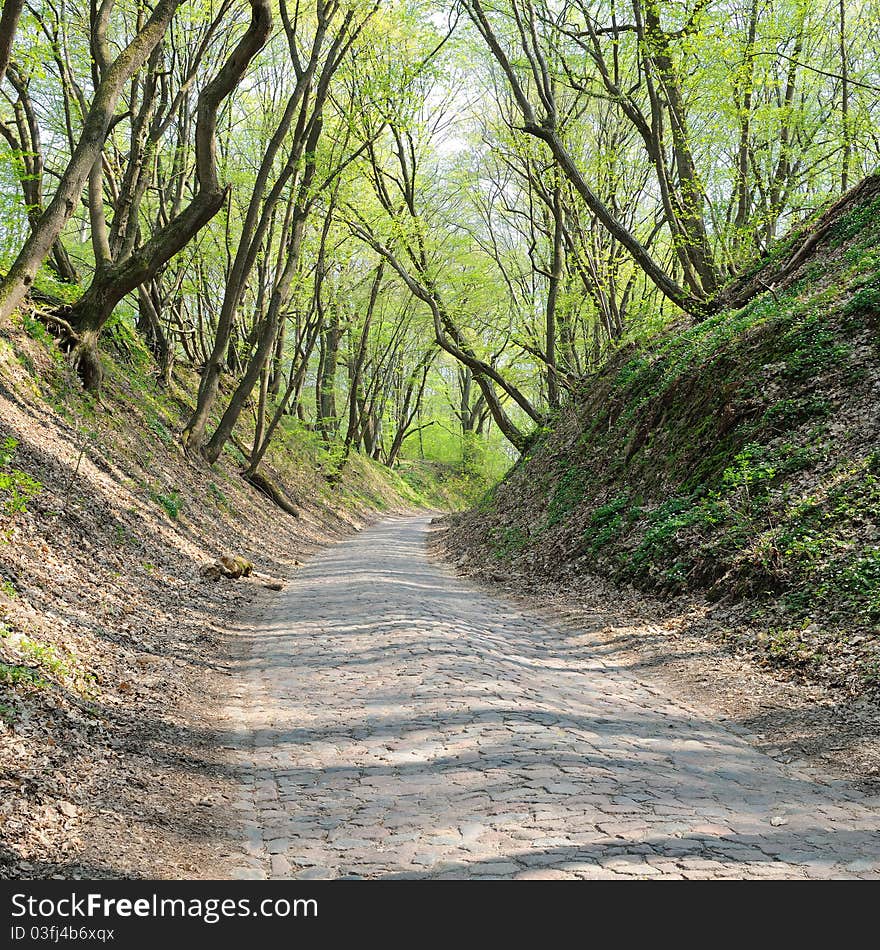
<point>411,223</point>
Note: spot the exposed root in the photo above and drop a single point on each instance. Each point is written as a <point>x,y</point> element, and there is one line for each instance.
<point>87,363</point>
<point>271,491</point>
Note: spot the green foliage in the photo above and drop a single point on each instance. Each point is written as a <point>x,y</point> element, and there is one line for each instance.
<point>656,559</point>
<point>119,334</point>
<point>866,300</point>
<point>158,426</point>
<point>855,220</point>
<point>42,662</point>
<point>47,282</point>
<point>473,454</point>
<point>510,541</point>
<point>792,410</point>
<point>631,371</point>
<point>731,456</point>
<point>812,346</point>
<point>35,329</point>
<point>121,536</point>
<point>437,485</point>
<point>171,501</point>
<point>15,674</point>
<point>46,656</point>
<point>820,558</point>
<point>606,524</point>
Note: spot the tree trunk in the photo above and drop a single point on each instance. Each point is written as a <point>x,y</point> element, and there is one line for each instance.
<point>8,25</point>
<point>94,131</point>
<point>326,381</point>
<point>113,281</point>
<point>554,280</point>
<point>260,207</point>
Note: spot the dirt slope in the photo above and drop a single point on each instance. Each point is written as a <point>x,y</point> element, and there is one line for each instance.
<point>113,653</point>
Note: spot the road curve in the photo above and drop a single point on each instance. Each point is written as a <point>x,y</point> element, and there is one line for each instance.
<point>394,721</point>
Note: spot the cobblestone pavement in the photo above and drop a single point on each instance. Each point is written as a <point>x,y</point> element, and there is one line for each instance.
<point>396,722</point>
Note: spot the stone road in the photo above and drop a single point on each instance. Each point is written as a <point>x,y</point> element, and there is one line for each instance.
<point>397,722</point>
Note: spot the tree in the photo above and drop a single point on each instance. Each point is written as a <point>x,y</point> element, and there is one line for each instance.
<point>97,121</point>
<point>114,278</point>
<point>8,24</point>
<point>313,71</point>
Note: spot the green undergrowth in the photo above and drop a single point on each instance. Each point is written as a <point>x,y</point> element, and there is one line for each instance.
<point>28,664</point>
<point>17,487</point>
<point>439,485</point>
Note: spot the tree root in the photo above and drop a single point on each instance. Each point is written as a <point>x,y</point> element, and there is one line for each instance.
<point>271,491</point>
<point>68,335</point>
<point>87,363</point>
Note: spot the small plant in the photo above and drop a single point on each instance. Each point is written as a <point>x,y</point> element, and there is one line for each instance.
<point>17,486</point>
<point>217,495</point>
<point>811,346</point>
<point>46,656</point>
<point>606,523</point>
<point>157,426</point>
<point>15,674</point>
<point>235,453</point>
<point>121,536</point>
<point>34,329</point>
<point>171,502</point>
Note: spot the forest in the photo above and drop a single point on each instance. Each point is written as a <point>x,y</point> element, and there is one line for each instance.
<point>345,342</point>
<point>411,222</point>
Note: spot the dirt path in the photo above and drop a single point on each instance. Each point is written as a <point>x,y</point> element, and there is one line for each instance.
<point>395,721</point>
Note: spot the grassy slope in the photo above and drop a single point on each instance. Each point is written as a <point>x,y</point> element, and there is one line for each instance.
<point>739,457</point>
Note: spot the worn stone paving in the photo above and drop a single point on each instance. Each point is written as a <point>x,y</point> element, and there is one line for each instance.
<point>396,722</point>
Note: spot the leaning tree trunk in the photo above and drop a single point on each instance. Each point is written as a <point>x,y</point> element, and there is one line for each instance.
<point>113,281</point>
<point>94,131</point>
